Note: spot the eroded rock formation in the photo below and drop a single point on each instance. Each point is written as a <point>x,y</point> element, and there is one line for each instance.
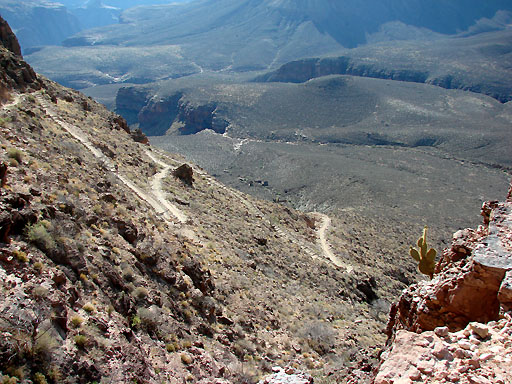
<point>458,327</point>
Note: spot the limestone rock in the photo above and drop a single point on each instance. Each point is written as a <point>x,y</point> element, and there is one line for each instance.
<point>505,293</point>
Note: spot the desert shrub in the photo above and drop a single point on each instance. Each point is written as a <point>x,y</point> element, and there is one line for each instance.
<point>244,347</point>
<point>319,336</point>
<point>89,308</point>
<point>39,378</point>
<point>128,274</point>
<point>38,266</point>
<point>21,256</point>
<point>44,345</point>
<point>149,319</point>
<point>186,358</point>
<point>136,321</point>
<point>8,380</point>
<point>76,321</point>
<point>140,293</point>
<point>15,153</point>
<point>40,291</point>
<point>80,341</point>
<point>39,235</point>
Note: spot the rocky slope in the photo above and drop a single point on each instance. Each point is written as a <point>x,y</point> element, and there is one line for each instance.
<point>458,326</point>
<point>119,264</point>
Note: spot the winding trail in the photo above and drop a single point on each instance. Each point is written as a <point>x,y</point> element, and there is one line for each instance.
<point>169,212</point>
<point>326,249</point>
<point>156,186</point>
<point>162,207</point>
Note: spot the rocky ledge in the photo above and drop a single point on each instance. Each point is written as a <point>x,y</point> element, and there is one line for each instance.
<point>457,327</point>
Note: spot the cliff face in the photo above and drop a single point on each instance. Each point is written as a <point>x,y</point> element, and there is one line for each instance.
<point>15,73</point>
<point>458,326</point>
<point>8,39</point>
<point>157,116</point>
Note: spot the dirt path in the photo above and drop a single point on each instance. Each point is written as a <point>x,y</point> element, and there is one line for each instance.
<point>158,203</point>
<point>156,186</point>
<point>326,249</point>
<point>16,100</point>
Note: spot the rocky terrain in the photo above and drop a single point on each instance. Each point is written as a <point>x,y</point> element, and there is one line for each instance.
<point>119,263</point>
<point>458,326</point>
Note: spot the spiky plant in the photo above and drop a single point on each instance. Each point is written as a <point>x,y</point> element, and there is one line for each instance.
<point>425,257</point>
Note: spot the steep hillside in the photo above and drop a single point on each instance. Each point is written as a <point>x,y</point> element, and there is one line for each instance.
<point>120,264</point>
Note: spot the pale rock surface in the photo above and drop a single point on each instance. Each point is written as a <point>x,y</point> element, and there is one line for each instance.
<point>287,376</point>
<point>428,358</point>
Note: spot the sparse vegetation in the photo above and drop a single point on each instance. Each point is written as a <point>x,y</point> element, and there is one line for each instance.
<point>21,256</point>
<point>89,308</point>
<point>425,257</point>
<point>15,153</point>
<point>76,321</point>
<point>39,235</point>
<point>81,341</point>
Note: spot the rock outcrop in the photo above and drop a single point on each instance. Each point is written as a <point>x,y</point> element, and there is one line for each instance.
<point>455,327</point>
<point>8,38</point>
<point>472,279</point>
<point>14,72</point>
<point>480,353</point>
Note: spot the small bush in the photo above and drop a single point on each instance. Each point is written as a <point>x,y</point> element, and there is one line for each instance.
<point>89,308</point>
<point>186,358</point>
<point>39,378</point>
<point>140,293</point>
<point>39,235</point>
<point>136,321</point>
<point>319,335</point>
<point>76,321</point>
<point>8,380</point>
<point>15,153</point>
<point>21,256</point>
<point>45,345</point>
<point>40,291</point>
<point>81,341</point>
<point>38,266</point>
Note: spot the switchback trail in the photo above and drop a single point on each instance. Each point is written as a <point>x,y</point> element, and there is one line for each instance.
<point>160,205</point>
<point>326,249</point>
